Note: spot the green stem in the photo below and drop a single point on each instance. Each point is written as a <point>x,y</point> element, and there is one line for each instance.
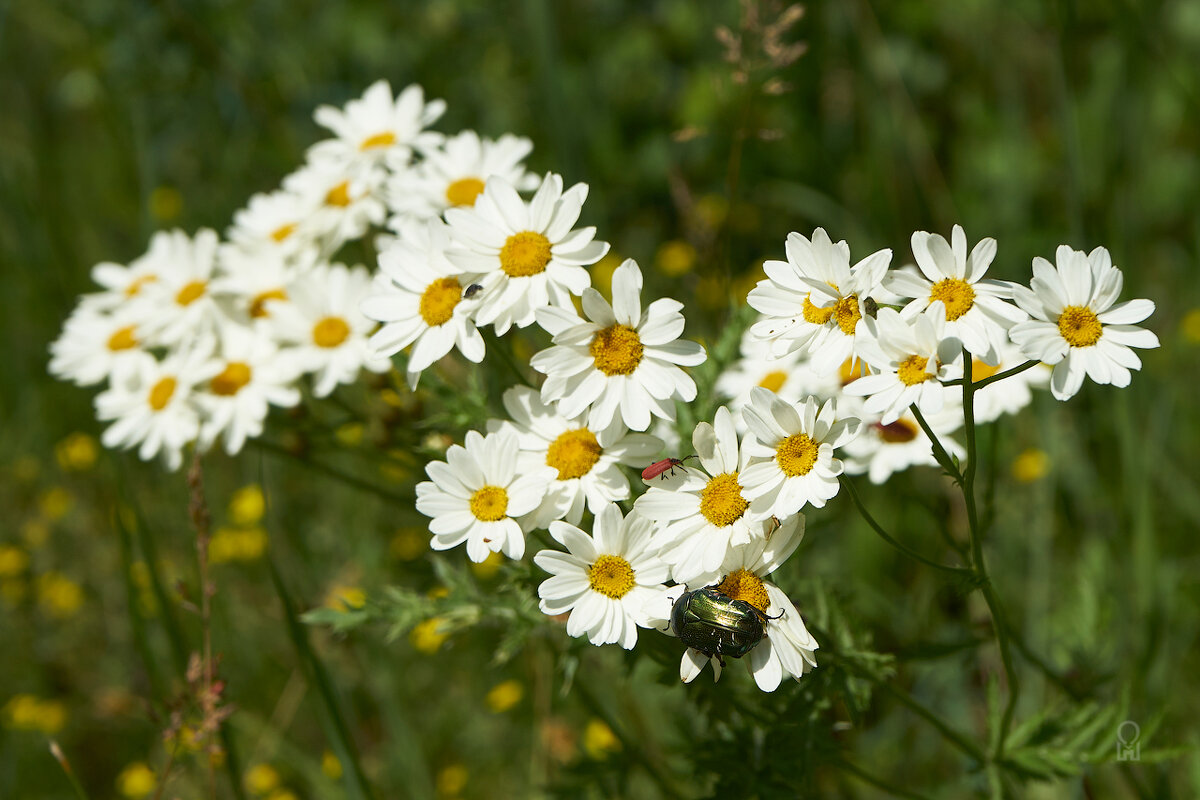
<point>332,718</point>
<point>999,376</point>
<point>875,526</point>
<point>878,783</point>
<point>939,453</point>
<point>978,561</point>
<point>334,472</point>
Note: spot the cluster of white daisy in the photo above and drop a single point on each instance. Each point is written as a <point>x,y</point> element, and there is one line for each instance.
<point>195,340</point>
<point>198,338</point>
<point>881,341</point>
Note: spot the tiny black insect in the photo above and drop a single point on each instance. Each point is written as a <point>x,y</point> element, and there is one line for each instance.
<point>471,291</point>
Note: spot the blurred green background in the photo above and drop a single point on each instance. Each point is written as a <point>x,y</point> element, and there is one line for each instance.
<point>1038,123</point>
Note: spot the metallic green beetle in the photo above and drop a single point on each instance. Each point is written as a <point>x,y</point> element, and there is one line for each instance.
<point>716,624</point>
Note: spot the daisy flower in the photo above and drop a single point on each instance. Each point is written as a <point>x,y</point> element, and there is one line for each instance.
<point>378,126</point>
<point>1010,395</point>
<point>252,376</point>
<point>621,360</point>
<point>811,302</point>
<point>95,345</point>
<point>528,253</point>
<point>322,320</point>
<point>1076,326</point>
<point>345,203</point>
<point>790,376</point>
<point>419,296</point>
<point>912,358</point>
<point>250,283</point>
<point>179,306</point>
<point>788,649</point>
<point>884,449</point>
<point>454,174</point>
<point>274,222</point>
<point>607,581</point>
<point>586,460</point>
<point>792,448</point>
<point>476,496</point>
<point>702,513</point>
<point>151,404</point>
<point>975,310</point>
<point>124,283</point>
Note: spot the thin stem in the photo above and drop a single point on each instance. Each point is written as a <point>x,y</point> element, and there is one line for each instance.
<point>939,452</point>
<point>61,758</point>
<point>878,783</point>
<point>999,376</point>
<point>979,563</point>
<point>198,510</point>
<point>875,526</point>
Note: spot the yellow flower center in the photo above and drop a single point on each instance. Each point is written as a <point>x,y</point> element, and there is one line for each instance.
<point>742,584</point>
<point>721,501</point>
<point>773,381</point>
<point>191,293</point>
<point>258,306</point>
<point>912,371</point>
<point>235,375</point>
<point>956,294</point>
<point>846,312</point>
<point>283,232</point>
<point>611,576</point>
<point>797,454</point>
<point>136,284</point>
<point>524,254</point>
<point>573,453</point>
<point>981,371</point>
<point>1080,326</point>
<point>489,503</point>
<point>385,139</point>
<point>123,339</point>
<point>330,332</point>
<point>338,195</point>
<point>897,432</point>
<point>464,191</point>
<point>438,301</point>
<point>616,350</point>
<point>849,372</point>
<point>815,315</point>
<point>160,393</point>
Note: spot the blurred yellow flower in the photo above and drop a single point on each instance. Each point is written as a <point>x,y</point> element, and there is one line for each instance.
<point>504,696</point>
<point>55,503</point>
<point>166,203</point>
<point>136,781</point>
<point>237,544</point>
<point>261,778</point>
<point>1031,465</point>
<point>350,434</point>
<point>675,258</point>
<point>427,637</point>
<point>1191,325</point>
<point>602,272</point>
<point>392,398</point>
<point>58,595</point>
<point>25,712</point>
<point>409,543</point>
<point>437,593</point>
<point>13,560</point>
<point>345,598</point>
<point>451,780</point>
<point>282,794</point>
<point>247,505</point>
<point>712,210</point>
<point>488,567</point>
<point>77,452</point>
<point>599,740</point>
<point>331,766</point>
<point>35,532</point>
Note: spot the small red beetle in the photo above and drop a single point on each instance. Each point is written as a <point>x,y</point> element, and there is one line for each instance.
<point>662,467</point>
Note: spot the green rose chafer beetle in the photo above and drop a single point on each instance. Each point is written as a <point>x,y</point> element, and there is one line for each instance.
<point>716,624</point>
